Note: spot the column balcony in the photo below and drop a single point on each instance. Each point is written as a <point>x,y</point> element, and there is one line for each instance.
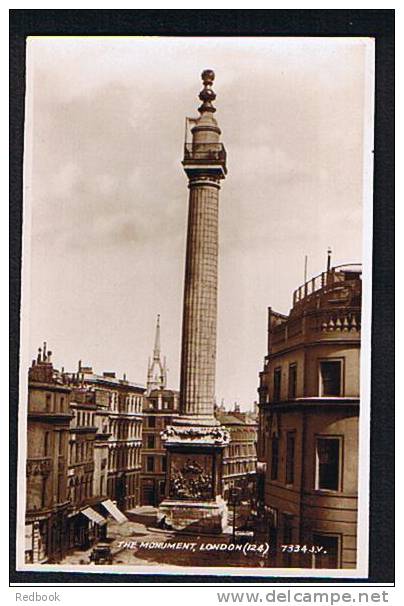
<point>211,157</point>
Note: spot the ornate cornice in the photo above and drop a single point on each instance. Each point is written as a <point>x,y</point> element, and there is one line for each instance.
<point>217,436</point>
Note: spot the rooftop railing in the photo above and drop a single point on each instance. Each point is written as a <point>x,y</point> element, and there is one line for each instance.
<point>330,278</point>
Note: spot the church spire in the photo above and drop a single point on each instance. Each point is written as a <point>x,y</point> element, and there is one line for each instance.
<point>156,351</point>
<point>156,371</point>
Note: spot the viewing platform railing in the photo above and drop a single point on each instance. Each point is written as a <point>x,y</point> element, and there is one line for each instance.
<point>325,279</point>
<point>205,152</point>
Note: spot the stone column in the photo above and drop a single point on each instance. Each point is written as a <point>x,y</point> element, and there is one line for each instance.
<point>205,165</point>
<point>200,305</point>
<point>196,440</point>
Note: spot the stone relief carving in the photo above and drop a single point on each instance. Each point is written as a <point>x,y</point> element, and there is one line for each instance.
<point>191,479</point>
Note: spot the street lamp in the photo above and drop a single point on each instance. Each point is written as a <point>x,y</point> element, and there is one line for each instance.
<point>234,495</point>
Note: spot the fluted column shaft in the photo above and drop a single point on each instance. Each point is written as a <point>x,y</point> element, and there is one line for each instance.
<point>198,363</point>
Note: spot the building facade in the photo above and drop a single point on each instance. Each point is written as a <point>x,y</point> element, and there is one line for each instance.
<point>239,464</point>
<point>308,422</point>
<point>118,418</point>
<point>84,438</point>
<point>159,411</point>
<point>47,501</point>
<point>86,525</point>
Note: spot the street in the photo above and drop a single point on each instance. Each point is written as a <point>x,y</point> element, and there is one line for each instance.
<point>138,542</point>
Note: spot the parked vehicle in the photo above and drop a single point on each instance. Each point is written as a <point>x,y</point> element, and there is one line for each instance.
<point>101,554</point>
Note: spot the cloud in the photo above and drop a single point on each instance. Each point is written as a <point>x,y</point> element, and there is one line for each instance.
<point>109,197</point>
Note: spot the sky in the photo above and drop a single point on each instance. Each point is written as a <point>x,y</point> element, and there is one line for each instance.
<point>105,198</point>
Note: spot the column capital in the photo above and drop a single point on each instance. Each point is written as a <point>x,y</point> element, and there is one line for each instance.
<point>203,182</point>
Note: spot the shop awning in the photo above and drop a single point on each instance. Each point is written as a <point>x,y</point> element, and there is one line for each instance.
<point>114,511</point>
<point>94,516</point>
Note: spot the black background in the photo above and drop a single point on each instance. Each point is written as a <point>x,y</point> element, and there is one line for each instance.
<point>369,23</point>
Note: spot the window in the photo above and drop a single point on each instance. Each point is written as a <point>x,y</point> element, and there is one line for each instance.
<point>290,457</point>
<point>274,458</point>
<point>328,454</point>
<point>277,384</point>
<point>46,443</point>
<point>61,443</point>
<point>150,442</point>
<point>164,463</point>
<point>48,402</point>
<point>150,463</point>
<point>292,381</point>
<point>329,556</point>
<point>60,488</point>
<point>151,422</point>
<point>330,378</point>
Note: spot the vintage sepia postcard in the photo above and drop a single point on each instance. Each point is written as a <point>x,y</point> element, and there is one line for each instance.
<point>196,306</point>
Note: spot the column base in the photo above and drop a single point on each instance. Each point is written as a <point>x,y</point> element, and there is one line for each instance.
<point>196,420</point>
<point>206,517</point>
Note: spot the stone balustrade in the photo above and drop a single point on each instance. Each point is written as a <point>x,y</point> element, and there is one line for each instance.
<point>328,323</point>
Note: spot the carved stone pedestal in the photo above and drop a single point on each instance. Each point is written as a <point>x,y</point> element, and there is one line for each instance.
<point>193,500</point>
<point>191,516</point>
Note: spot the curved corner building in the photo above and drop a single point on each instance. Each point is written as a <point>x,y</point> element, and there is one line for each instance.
<point>309,409</point>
